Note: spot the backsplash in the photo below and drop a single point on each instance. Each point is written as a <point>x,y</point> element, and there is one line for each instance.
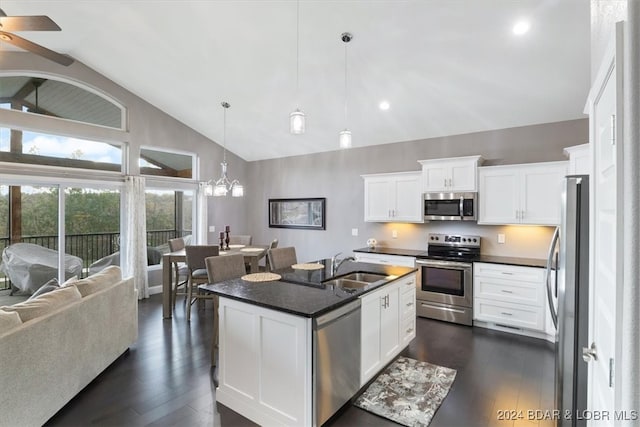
<point>520,240</point>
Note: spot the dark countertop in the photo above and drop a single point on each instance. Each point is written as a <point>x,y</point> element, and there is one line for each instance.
<point>523,262</point>
<point>301,292</point>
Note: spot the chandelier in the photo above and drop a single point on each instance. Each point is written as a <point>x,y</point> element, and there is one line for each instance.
<point>224,185</point>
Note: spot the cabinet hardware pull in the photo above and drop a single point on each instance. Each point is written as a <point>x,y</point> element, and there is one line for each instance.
<point>613,129</point>
<point>409,304</point>
<point>508,273</point>
<point>506,291</point>
<point>506,314</point>
<point>409,330</point>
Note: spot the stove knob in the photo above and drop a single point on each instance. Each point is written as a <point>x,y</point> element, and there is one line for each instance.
<point>437,238</point>
<point>464,240</point>
<point>431,237</point>
<point>475,240</point>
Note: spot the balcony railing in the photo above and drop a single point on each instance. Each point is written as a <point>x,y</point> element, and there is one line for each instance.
<point>89,247</point>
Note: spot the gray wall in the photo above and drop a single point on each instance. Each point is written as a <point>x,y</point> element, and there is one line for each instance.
<point>336,176</point>
<point>150,126</point>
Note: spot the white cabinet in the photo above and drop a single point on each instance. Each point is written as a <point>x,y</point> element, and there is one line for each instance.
<point>407,310</point>
<point>379,330</point>
<point>387,325</point>
<point>263,366</point>
<point>511,298</point>
<point>521,194</point>
<point>384,259</point>
<point>456,174</point>
<point>579,159</point>
<point>393,197</point>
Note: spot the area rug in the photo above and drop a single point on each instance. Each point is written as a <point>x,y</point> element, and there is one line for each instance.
<point>408,392</point>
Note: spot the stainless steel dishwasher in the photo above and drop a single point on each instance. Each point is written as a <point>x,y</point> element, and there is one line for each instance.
<point>336,360</point>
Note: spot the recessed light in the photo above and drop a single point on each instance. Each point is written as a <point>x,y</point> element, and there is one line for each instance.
<point>521,27</point>
<point>384,105</point>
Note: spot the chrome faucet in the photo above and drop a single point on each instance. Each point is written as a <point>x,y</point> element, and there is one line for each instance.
<point>335,264</point>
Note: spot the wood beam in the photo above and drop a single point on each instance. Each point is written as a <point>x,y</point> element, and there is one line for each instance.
<point>55,161</point>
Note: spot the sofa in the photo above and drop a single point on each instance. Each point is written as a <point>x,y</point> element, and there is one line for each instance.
<point>54,345</point>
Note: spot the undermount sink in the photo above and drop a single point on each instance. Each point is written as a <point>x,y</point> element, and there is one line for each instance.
<point>358,280</point>
<point>364,277</point>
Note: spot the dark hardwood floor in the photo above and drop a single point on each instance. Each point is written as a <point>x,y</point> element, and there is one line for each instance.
<point>166,378</point>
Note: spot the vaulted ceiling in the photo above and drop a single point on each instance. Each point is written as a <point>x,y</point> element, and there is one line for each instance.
<point>444,66</point>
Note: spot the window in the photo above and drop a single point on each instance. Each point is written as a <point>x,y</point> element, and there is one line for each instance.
<point>18,146</point>
<point>169,215</point>
<point>55,98</point>
<point>165,163</point>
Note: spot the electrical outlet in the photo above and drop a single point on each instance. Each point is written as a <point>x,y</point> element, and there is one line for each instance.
<point>394,234</point>
<point>212,228</point>
<point>501,238</point>
<point>354,231</point>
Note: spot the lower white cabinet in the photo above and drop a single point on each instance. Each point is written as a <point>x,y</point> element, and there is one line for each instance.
<point>511,298</point>
<point>387,325</point>
<point>264,368</point>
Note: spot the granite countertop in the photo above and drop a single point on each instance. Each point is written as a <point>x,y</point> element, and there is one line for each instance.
<point>492,259</point>
<point>302,292</point>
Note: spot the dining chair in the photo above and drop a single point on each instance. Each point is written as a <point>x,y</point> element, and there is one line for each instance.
<point>240,239</point>
<point>282,257</point>
<point>180,270</point>
<point>196,255</point>
<point>272,245</point>
<point>219,269</point>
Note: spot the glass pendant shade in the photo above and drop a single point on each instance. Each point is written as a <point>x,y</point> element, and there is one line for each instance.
<point>345,139</point>
<point>237,191</point>
<point>296,122</point>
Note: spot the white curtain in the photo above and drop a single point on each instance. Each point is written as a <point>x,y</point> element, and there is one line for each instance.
<point>202,229</point>
<point>134,230</point>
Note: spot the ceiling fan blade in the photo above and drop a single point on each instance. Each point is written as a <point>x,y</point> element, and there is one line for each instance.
<point>28,23</point>
<point>35,48</point>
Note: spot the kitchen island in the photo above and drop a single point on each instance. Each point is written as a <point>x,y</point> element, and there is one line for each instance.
<point>269,350</point>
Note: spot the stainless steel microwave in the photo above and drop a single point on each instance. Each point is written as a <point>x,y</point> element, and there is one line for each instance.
<point>450,206</point>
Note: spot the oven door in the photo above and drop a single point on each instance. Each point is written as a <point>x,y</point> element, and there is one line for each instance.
<point>445,282</point>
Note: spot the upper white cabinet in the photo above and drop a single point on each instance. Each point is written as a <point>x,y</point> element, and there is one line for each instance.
<point>393,197</point>
<point>457,174</point>
<point>521,194</point>
<point>579,159</point>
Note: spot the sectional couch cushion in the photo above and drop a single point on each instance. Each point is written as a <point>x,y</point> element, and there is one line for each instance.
<point>8,320</point>
<point>44,304</point>
<point>51,285</point>
<point>92,284</point>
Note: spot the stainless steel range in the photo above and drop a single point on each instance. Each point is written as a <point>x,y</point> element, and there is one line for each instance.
<point>445,278</point>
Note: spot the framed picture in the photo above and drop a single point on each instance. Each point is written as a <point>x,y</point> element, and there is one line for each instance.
<point>297,213</point>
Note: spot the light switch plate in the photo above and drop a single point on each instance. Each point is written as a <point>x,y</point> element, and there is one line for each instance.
<point>501,238</point>
<point>354,231</point>
<point>212,228</point>
<point>394,234</point>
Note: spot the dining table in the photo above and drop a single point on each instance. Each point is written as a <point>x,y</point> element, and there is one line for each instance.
<point>252,254</point>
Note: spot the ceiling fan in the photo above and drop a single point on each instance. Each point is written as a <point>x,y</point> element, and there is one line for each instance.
<point>30,23</point>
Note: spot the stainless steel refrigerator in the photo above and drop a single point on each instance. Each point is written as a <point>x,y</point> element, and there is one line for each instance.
<point>570,249</point>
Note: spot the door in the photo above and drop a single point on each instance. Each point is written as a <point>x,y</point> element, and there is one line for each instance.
<point>377,196</point>
<point>370,361</point>
<point>541,187</point>
<point>408,199</point>
<point>389,318</point>
<point>499,196</point>
<point>606,252</point>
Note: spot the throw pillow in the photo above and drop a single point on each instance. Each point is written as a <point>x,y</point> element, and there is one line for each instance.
<point>100,280</point>
<point>8,320</point>
<point>70,281</point>
<point>51,285</point>
<point>45,303</point>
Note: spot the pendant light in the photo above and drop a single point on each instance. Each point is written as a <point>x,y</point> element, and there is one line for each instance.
<point>223,185</point>
<point>297,118</point>
<point>345,135</point>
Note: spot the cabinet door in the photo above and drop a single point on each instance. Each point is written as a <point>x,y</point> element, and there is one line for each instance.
<point>463,177</point>
<point>377,196</point>
<point>389,325</point>
<point>408,199</point>
<point>435,177</point>
<point>370,361</point>
<point>498,197</point>
<point>541,188</point>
